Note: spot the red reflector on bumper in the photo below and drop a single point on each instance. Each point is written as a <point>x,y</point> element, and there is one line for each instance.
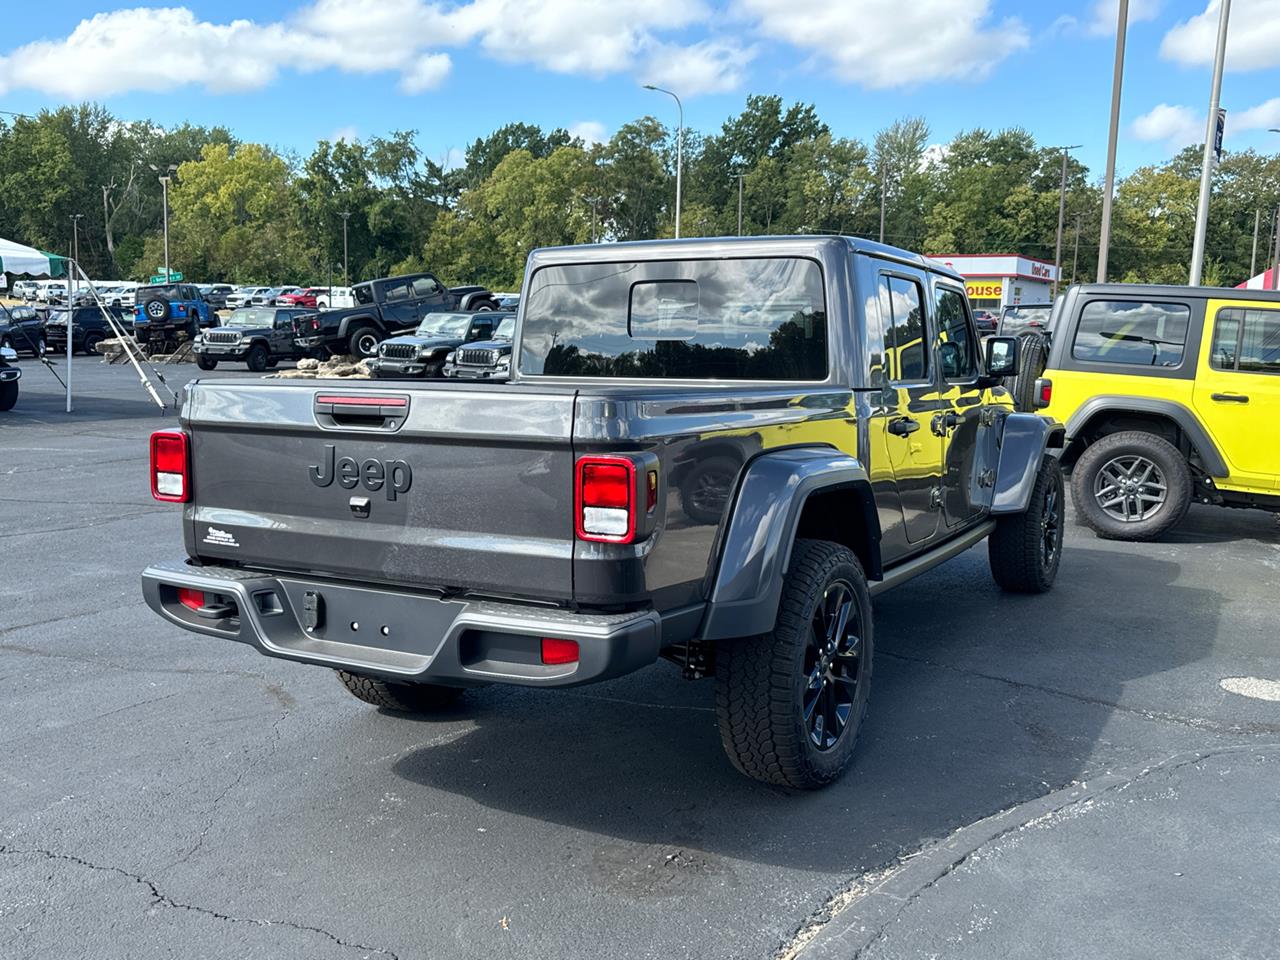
<point>191,599</point>
<point>559,651</point>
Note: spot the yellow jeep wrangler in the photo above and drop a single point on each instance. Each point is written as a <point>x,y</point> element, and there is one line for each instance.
<point>1169,394</point>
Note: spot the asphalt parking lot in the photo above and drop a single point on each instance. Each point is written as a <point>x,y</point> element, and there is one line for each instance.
<point>1066,775</point>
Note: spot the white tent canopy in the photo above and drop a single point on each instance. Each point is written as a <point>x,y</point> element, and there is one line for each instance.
<point>23,261</point>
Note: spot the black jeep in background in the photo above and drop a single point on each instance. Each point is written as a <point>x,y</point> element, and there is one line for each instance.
<point>22,330</point>
<point>88,328</point>
<point>422,353</point>
<point>383,308</point>
<point>259,336</point>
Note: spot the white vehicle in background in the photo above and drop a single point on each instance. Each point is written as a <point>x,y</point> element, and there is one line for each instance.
<point>24,290</point>
<point>242,296</point>
<point>336,298</point>
<point>50,291</point>
<point>125,293</point>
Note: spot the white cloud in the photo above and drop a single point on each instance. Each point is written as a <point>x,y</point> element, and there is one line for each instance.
<point>1105,13</point>
<point>588,131</point>
<point>1253,40</point>
<point>347,134</point>
<point>893,43</point>
<point>712,66</point>
<point>1176,126</point>
<point>1262,117</point>
<point>429,72</point>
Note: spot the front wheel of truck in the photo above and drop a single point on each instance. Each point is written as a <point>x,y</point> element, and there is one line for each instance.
<point>790,702</point>
<point>1025,549</point>
<point>401,697</point>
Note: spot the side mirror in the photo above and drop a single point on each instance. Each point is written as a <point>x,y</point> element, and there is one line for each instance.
<point>1002,356</point>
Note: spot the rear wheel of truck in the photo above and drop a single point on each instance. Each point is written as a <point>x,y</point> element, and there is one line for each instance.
<point>790,702</point>
<point>1025,549</point>
<point>403,697</point>
<point>206,363</point>
<point>91,341</point>
<point>363,342</point>
<point>256,358</point>
<point>1131,485</point>
<point>8,394</point>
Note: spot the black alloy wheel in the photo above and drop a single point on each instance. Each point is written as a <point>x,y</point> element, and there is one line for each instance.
<point>833,665</point>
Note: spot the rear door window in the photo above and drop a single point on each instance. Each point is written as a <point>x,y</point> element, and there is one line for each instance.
<point>957,349</point>
<point>901,307</point>
<point>1246,341</point>
<point>1139,333</point>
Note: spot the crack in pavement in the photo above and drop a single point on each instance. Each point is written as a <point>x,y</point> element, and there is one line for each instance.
<point>82,526</point>
<point>1196,723</point>
<point>898,885</point>
<point>159,898</point>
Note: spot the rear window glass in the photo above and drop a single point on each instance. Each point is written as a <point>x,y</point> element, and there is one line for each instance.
<point>747,319</point>
<point>1133,332</point>
<point>1016,320</point>
<point>363,293</point>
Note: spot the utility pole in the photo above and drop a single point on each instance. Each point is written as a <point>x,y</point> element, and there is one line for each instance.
<point>1109,181</point>
<point>740,205</point>
<point>346,272</point>
<point>679,147</point>
<point>1253,257</point>
<point>1075,257</point>
<point>1062,209</point>
<point>883,188</point>
<point>165,175</point>
<point>1210,136</point>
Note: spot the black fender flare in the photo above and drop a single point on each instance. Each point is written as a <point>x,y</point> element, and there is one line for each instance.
<point>468,300</point>
<point>346,324</point>
<point>755,550</point>
<point>1187,422</point>
<point>1024,440</point>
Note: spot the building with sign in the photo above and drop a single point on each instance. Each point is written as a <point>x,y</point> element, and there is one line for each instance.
<point>996,280</point>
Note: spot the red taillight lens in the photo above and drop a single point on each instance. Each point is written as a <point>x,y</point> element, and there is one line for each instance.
<point>191,599</point>
<point>556,651</point>
<point>604,505</point>
<point>170,477</point>
<point>1044,392</point>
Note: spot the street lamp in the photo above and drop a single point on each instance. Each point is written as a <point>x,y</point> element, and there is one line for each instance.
<point>679,147</point>
<point>165,176</point>
<point>1062,209</point>
<point>1113,132</point>
<point>739,176</point>
<point>1206,163</point>
<point>346,273</point>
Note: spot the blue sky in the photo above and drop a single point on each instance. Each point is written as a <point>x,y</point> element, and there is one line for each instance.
<point>288,72</point>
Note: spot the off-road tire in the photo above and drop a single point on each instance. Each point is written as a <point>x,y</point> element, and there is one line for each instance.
<point>363,343</point>
<point>8,394</point>
<point>256,358</point>
<point>1033,354</point>
<point>91,341</point>
<point>487,306</point>
<point>700,489</point>
<point>1169,461</point>
<point>401,697</point>
<point>761,680</point>
<point>1021,562</point>
<point>206,363</point>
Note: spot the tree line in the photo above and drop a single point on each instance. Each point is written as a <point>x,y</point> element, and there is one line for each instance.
<point>244,212</point>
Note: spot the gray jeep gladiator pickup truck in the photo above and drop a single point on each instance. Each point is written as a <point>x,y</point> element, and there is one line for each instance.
<point>425,537</point>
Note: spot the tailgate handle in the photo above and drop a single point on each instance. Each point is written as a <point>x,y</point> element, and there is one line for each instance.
<point>361,411</point>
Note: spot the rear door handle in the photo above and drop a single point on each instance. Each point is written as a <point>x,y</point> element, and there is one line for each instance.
<point>903,426</point>
<point>1230,397</point>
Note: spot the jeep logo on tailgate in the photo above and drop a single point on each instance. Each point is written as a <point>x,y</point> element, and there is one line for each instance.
<point>393,476</point>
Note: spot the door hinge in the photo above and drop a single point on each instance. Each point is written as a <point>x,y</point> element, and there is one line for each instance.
<point>988,416</point>
<point>935,498</point>
<point>987,478</point>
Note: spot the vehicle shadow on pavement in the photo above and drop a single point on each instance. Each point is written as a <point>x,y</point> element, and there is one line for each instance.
<point>1210,524</point>
<point>981,700</point>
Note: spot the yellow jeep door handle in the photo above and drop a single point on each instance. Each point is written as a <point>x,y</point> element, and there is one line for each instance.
<point>1229,397</point>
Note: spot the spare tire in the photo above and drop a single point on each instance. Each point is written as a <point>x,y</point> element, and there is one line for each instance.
<point>157,308</point>
<point>1033,354</point>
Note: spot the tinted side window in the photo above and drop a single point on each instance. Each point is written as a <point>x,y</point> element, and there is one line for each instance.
<point>958,351</point>
<point>423,287</point>
<point>1128,331</point>
<point>1247,341</point>
<point>398,290</point>
<point>904,336</point>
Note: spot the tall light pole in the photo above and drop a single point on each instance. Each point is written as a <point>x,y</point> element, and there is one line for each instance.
<point>1253,257</point>
<point>1109,181</point>
<point>1062,210</point>
<point>165,176</point>
<point>346,270</point>
<point>1075,257</point>
<point>883,190</point>
<point>679,147</point>
<point>1206,163</point>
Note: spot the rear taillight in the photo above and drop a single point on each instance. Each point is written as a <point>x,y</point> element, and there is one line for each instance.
<point>556,651</point>
<point>605,499</point>
<point>170,467</point>
<point>1044,393</point>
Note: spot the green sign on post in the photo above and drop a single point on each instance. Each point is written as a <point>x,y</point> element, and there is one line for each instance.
<point>174,276</point>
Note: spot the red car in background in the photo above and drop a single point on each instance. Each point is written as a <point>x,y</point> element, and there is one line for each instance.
<point>307,297</point>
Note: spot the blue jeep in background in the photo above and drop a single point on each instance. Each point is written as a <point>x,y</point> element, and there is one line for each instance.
<point>162,311</point>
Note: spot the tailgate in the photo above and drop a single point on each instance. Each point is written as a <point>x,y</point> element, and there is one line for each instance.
<point>435,487</point>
